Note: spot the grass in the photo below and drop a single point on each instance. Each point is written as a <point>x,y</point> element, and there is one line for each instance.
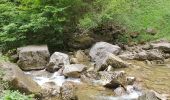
<point>136,16</point>
<point>15,95</point>
<point>143,14</point>
<point>4,58</point>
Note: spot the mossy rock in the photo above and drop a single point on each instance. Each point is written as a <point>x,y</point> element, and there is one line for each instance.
<point>81,42</point>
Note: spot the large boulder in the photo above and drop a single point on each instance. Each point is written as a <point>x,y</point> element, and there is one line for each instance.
<point>68,91</point>
<point>101,47</point>
<point>33,57</point>
<point>57,61</point>
<point>112,79</point>
<point>73,70</point>
<point>162,45</point>
<point>104,54</point>
<point>108,59</point>
<point>18,80</point>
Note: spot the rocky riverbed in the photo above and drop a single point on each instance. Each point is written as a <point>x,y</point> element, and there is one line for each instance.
<point>103,72</point>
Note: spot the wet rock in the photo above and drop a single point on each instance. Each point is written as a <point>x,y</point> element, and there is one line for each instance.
<point>150,55</point>
<point>141,56</point>
<point>81,56</point>
<point>109,68</point>
<point>74,61</point>
<point>151,95</point>
<point>33,57</point>
<point>155,55</point>
<point>162,45</point>
<point>73,70</point>
<point>166,56</point>
<point>130,80</point>
<point>18,80</point>
<point>112,80</point>
<point>90,77</point>
<point>57,61</point>
<point>115,61</point>
<point>51,90</point>
<point>107,59</point>
<point>138,86</point>
<point>68,91</point>
<point>120,91</point>
<point>127,55</point>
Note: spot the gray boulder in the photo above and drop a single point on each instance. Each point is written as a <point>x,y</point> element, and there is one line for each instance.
<point>108,59</point>
<point>101,47</point>
<point>104,54</point>
<point>112,80</point>
<point>73,70</point>
<point>57,61</point>
<point>153,54</point>
<point>18,80</point>
<point>33,57</point>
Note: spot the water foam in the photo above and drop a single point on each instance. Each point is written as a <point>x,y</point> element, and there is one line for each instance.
<point>56,78</point>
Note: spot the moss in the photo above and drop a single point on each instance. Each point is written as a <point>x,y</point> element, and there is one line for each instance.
<point>81,42</point>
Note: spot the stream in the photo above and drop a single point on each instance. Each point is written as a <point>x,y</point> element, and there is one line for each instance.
<point>153,77</point>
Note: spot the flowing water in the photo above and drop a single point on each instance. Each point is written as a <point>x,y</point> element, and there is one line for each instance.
<point>84,91</point>
<point>154,77</point>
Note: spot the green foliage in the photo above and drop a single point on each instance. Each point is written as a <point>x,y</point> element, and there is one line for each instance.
<point>135,15</point>
<point>52,22</point>
<point>15,95</point>
<point>145,14</point>
<point>4,58</point>
<point>39,22</point>
<point>30,22</point>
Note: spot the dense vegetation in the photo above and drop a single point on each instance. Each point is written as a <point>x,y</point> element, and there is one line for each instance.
<point>14,95</point>
<point>53,22</point>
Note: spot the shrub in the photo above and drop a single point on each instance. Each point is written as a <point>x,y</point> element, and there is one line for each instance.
<point>15,95</point>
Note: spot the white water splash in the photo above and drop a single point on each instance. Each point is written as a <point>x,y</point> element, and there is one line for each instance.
<point>131,95</point>
<point>56,78</point>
